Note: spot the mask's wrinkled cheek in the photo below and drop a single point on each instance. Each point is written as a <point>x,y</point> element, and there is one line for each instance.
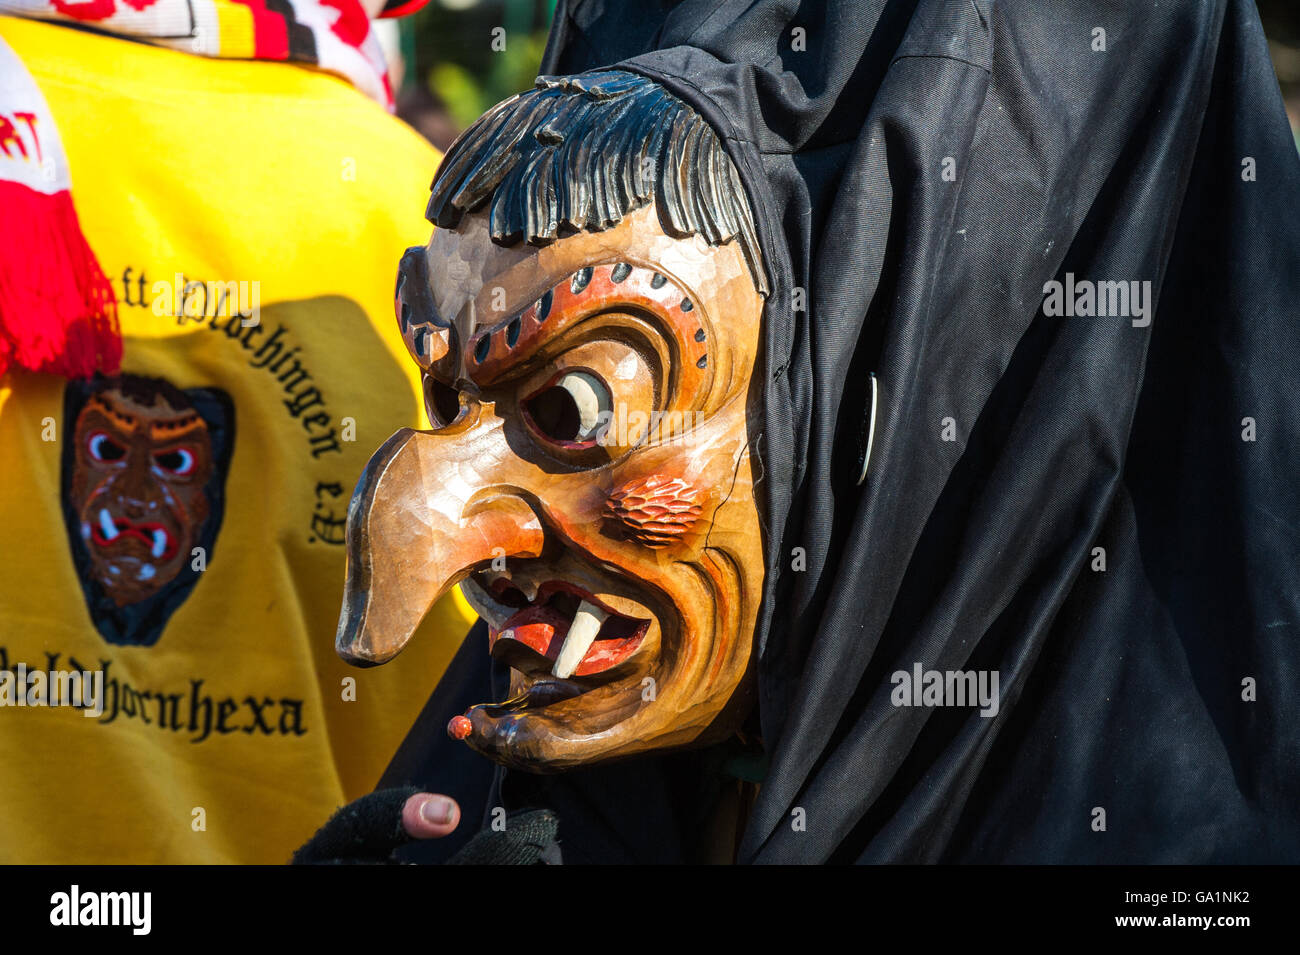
<point>681,521</point>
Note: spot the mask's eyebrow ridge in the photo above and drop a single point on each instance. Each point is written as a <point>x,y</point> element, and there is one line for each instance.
<point>491,351</point>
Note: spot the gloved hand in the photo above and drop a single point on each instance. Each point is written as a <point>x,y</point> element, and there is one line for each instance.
<point>366,832</point>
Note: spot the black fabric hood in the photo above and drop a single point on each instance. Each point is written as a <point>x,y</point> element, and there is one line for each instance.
<point>919,171</point>
<point>1120,689</point>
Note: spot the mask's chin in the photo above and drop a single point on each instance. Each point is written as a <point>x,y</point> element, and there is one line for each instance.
<point>579,645</point>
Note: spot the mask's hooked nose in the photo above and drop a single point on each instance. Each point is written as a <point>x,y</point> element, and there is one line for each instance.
<point>416,528</point>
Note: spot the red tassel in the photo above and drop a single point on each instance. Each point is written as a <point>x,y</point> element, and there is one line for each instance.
<point>57,310</point>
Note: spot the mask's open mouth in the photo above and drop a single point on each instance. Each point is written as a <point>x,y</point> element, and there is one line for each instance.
<point>108,531</point>
<point>564,631</point>
<point>561,642</point>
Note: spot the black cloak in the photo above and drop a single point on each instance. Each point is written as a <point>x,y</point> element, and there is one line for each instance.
<point>919,171</point>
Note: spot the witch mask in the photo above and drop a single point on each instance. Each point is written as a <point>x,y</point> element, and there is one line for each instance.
<point>587,320</point>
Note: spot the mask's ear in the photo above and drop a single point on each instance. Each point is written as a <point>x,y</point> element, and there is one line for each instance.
<point>429,340</point>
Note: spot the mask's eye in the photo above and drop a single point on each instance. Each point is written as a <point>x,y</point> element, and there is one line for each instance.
<point>572,410</point>
<point>104,448</point>
<point>441,401</point>
<point>178,461</point>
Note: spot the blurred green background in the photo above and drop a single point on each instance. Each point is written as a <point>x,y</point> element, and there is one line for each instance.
<point>455,66</point>
<point>449,72</point>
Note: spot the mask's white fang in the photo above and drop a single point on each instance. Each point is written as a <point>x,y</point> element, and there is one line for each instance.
<point>582,633</point>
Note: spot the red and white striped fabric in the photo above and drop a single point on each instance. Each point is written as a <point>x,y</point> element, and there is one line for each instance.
<point>57,311</point>
<point>334,35</point>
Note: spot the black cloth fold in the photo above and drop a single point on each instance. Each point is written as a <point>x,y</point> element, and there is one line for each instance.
<point>919,172</point>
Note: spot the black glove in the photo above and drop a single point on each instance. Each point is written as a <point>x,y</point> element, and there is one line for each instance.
<point>366,831</point>
<point>528,839</point>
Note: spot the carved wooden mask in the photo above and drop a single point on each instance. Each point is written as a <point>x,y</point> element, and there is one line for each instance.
<point>588,479</point>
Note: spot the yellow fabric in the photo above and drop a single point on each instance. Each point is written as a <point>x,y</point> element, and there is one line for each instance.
<point>217,170</point>
<point>235,27</point>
